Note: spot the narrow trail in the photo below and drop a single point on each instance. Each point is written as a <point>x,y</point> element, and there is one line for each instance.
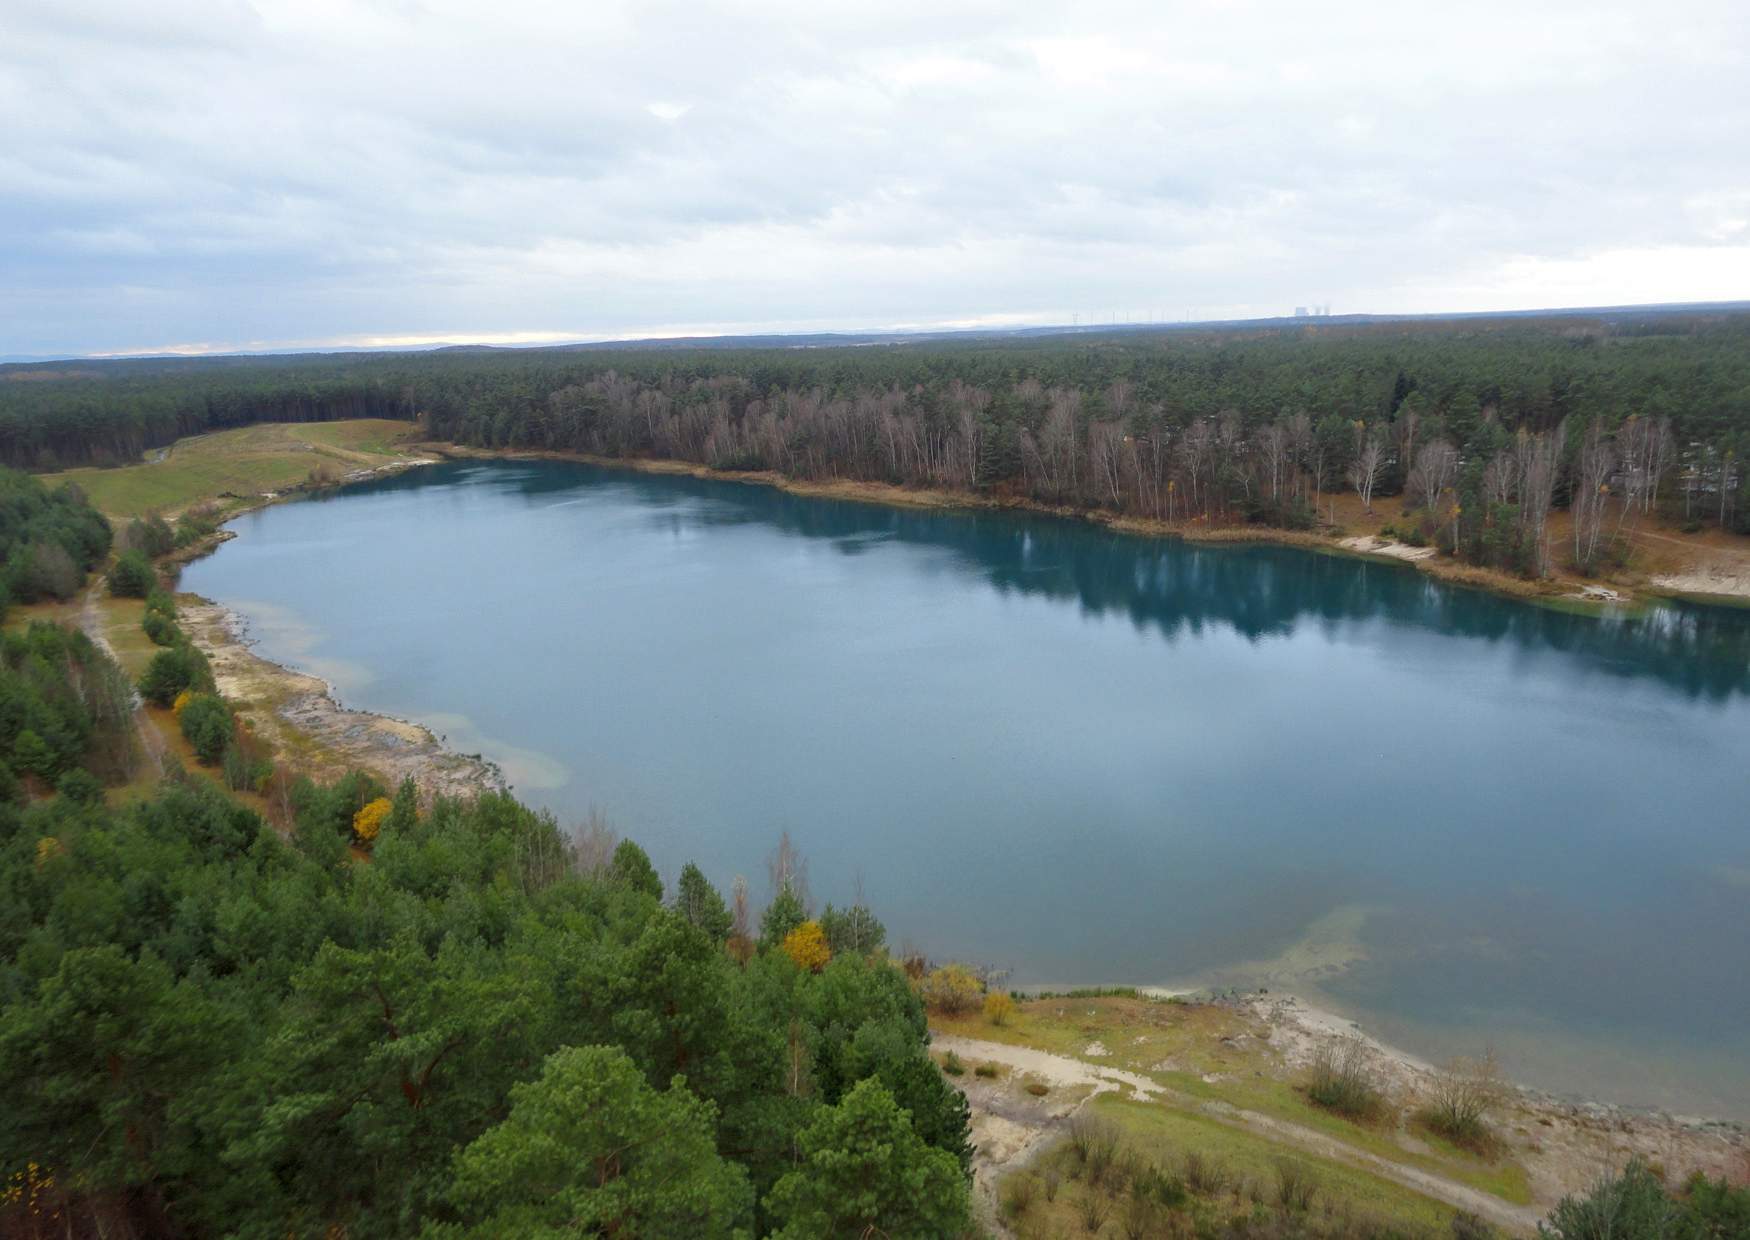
<point>91,621</point>
<point>1060,1070</point>
<point>1689,544</point>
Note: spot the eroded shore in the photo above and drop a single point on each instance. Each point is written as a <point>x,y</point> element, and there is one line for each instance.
<point>301,718</point>
<point>1225,1058</point>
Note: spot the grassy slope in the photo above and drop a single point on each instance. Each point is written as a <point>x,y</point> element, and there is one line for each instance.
<point>1165,1135</point>
<point>1210,1054</point>
<point>245,462</point>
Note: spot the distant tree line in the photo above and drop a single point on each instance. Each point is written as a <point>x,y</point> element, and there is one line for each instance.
<point>1481,425</point>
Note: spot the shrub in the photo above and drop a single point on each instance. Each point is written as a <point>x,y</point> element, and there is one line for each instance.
<point>1630,1205</point>
<point>807,946</point>
<point>80,787</point>
<point>1103,1157</point>
<point>1343,1079</point>
<point>206,725</point>
<point>152,536</point>
<point>1151,1181</point>
<point>1460,1100</point>
<point>1204,1176</point>
<point>160,628</point>
<point>1715,1207</point>
<point>986,1070</point>
<point>1295,1186</point>
<point>999,1007</point>
<point>952,1065</point>
<point>196,523</point>
<point>1092,1209</point>
<point>1095,1142</point>
<point>1636,1203</point>
<point>368,822</point>
<point>1467,1226</point>
<point>951,990</point>
<point>1141,1218</point>
<point>1038,1088</point>
<point>173,670</point>
<point>131,576</point>
<point>242,771</point>
<point>1018,1193</point>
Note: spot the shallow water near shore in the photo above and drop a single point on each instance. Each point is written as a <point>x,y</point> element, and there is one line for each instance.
<point>1076,754</point>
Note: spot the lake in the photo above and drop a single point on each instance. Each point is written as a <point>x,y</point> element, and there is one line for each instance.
<point>1083,756</point>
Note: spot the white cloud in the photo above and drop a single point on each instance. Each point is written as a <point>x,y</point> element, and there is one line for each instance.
<point>291,171</point>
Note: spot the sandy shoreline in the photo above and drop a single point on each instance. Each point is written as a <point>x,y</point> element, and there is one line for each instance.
<point>303,719</point>
<point>1564,1145</point>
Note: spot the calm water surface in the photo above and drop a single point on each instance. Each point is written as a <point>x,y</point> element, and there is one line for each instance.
<point>1083,756</point>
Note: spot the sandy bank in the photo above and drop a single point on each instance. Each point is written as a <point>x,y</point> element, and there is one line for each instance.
<point>313,733</point>
<point>1369,544</point>
<point>1563,1146</point>
<point>1712,581</point>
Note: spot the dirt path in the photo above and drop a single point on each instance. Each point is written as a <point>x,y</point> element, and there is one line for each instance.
<point>151,740</point>
<point>1062,1071</point>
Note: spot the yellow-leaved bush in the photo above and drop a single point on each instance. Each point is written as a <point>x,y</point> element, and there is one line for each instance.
<point>806,945</point>
<point>182,700</point>
<point>998,1007</point>
<point>369,820</point>
<point>951,990</point>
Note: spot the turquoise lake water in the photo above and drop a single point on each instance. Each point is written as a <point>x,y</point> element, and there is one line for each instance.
<point>1081,756</point>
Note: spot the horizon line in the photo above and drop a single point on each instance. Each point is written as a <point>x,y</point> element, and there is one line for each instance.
<point>994,324</point>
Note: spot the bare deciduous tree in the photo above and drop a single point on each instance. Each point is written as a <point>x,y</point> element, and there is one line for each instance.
<point>1364,470</point>
<point>1499,476</point>
<point>1273,450</point>
<point>592,845</point>
<point>1591,493</point>
<point>1435,468</point>
<point>1344,1078</point>
<point>1196,449</point>
<point>1538,458</point>
<point>787,868</point>
<point>1461,1097</point>
<point>742,924</point>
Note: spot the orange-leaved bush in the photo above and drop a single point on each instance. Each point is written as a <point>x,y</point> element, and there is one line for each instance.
<point>369,820</point>
<point>806,945</point>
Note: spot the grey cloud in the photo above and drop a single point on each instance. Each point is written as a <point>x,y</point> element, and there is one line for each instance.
<point>284,171</point>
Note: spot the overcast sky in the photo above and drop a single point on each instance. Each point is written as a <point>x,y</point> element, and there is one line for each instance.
<point>230,175</point>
